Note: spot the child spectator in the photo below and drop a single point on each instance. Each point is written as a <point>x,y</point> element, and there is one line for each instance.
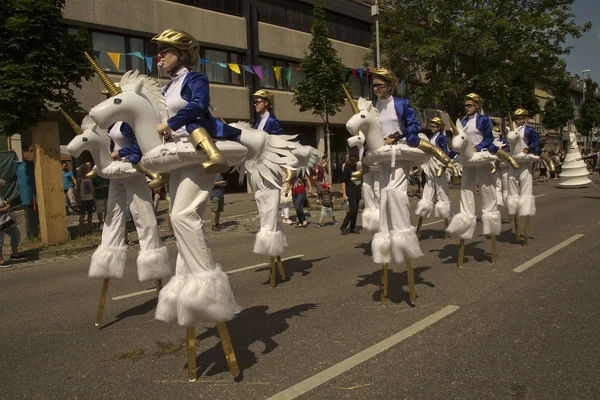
<point>326,200</point>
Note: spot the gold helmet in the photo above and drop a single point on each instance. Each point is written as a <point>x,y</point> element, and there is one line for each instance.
<point>437,121</point>
<point>265,94</point>
<point>385,75</point>
<point>521,113</point>
<point>475,97</point>
<point>105,91</point>
<point>180,40</point>
<point>496,128</point>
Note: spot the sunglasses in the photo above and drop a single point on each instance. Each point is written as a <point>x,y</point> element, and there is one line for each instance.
<point>257,102</point>
<point>376,85</point>
<point>469,105</point>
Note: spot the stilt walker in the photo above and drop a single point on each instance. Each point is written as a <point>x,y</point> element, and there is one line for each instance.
<point>476,145</point>
<point>109,259</point>
<point>436,180</point>
<point>524,144</point>
<point>200,291</point>
<point>392,128</point>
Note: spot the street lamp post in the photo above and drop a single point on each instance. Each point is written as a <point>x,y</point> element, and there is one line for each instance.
<point>585,71</point>
<point>375,13</point>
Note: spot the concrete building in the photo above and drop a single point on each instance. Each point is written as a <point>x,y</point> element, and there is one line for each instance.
<point>246,32</point>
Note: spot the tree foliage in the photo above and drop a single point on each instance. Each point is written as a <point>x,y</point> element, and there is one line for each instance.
<point>492,47</point>
<point>559,110</point>
<point>40,64</point>
<point>589,115</point>
<point>321,90</point>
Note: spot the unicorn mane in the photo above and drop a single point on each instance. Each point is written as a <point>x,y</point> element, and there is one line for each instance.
<point>367,105</point>
<point>151,90</point>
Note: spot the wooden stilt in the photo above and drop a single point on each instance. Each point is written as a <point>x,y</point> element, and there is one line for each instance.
<point>411,281</point>
<point>281,270</point>
<point>517,233</point>
<point>493,249</point>
<point>526,232</point>
<point>461,253</point>
<point>419,225</point>
<point>158,286</point>
<point>446,234</point>
<point>191,348</point>
<point>272,271</point>
<point>384,284</point>
<point>228,349</point>
<point>102,302</point>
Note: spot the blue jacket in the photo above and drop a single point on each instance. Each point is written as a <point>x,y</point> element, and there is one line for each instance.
<point>532,140</point>
<point>408,118</point>
<point>196,114</point>
<point>133,151</point>
<point>272,126</point>
<point>484,124</point>
<point>442,142</point>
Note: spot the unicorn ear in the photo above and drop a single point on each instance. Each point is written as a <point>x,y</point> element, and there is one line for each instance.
<point>368,105</point>
<point>138,87</point>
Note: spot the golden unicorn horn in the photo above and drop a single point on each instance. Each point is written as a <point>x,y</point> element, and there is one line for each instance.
<point>355,109</point>
<point>78,130</point>
<point>454,128</point>
<point>113,90</point>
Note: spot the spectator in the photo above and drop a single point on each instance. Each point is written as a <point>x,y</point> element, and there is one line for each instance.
<point>285,200</point>
<point>101,189</point>
<point>326,199</point>
<point>68,187</point>
<point>543,171</point>
<point>8,225</point>
<point>84,192</point>
<point>217,202</point>
<point>351,193</point>
<point>299,198</point>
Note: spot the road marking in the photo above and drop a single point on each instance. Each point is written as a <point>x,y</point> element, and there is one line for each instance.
<point>365,355</point>
<point>134,294</point>
<point>433,222</point>
<point>142,292</point>
<point>547,253</point>
<point>261,265</point>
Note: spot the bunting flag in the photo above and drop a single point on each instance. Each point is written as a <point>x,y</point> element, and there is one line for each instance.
<point>115,58</point>
<point>288,75</point>
<point>235,68</point>
<point>258,70</point>
<point>223,65</point>
<point>354,73</point>
<point>204,61</point>
<point>149,63</point>
<point>277,71</point>
<point>360,72</point>
<point>136,54</point>
<point>268,71</point>
<point>248,68</point>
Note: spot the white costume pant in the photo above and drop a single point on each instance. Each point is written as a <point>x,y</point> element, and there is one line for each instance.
<point>200,291</point>
<point>502,184</point>
<point>464,222</point>
<point>520,191</point>
<point>108,261</point>
<point>397,238</point>
<point>270,239</point>
<point>435,186</point>
<point>371,197</point>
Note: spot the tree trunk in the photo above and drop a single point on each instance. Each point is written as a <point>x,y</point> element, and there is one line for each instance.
<point>48,183</point>
<point>328,135</point>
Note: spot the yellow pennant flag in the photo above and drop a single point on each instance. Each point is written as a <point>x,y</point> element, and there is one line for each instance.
<point>115,58</point>
<point>277,73</point>
<point>235,68</point>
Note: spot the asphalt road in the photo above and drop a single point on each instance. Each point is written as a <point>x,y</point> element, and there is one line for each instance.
<point>503,334</point>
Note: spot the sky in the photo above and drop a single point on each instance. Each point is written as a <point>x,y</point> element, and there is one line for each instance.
<point>586,50</point>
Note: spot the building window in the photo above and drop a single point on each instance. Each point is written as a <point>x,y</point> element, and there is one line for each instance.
<point>225,6</point>
<point>288,67</point>
<point>109,42</point>
<point>218,74</point>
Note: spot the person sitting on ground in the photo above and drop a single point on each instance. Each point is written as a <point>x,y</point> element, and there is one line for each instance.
<point>326,199</point>
<point>8,226</point>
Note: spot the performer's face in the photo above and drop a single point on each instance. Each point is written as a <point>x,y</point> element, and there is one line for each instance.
<point>435,128</point>
<point>471,107</point>
<point>260,104</point>
<point>169,58</point>
<point>381,88</point>
<point>520,121</point>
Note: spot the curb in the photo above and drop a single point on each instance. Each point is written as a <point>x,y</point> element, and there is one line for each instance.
<point>63,252</point>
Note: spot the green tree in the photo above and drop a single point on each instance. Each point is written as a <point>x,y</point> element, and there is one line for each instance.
<point>462,46</point>
<point>559,110</point>
<point>321,91</point>
<point>40,64</point>
<point>589,115</point>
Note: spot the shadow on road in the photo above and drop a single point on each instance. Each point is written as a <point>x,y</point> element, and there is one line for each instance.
<point>479,250</point>
<point>252,325</point>
<point>396,283</point>
<point>293,266</point>
<point>366,248</point>
<point>141,309</point>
